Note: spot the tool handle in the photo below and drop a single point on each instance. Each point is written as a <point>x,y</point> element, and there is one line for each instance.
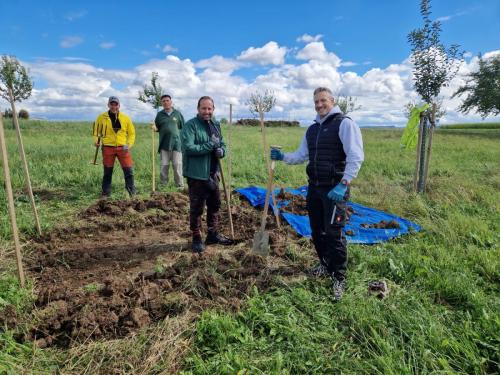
<point>228,203</point>
<point>268,193</point>
<point>97,149</point>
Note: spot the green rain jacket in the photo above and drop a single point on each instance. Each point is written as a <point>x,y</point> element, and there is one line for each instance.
<point>197,148</point>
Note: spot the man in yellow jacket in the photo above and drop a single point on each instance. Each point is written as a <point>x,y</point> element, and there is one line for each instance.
<point>115,131</point>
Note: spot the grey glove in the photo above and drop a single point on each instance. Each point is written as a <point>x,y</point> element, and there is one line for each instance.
<point>219,152</point>
<point>215,140</point>
<point>125,148</point>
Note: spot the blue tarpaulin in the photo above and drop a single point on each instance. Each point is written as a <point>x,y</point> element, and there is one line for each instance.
<point>362,215</point>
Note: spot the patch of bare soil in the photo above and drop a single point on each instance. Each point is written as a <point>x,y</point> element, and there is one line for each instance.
<point>123,265</point>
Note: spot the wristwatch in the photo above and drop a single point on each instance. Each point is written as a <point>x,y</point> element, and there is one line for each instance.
<point>344,182</point>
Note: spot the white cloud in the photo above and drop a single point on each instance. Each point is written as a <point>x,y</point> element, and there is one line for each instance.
<point>219,63</point>
<point>317,51</point>
<point>309,38</point>
<point>72,16</point>
<point>107,45</point>
<point>79,89</point>
<point>71,41</point>
<point>270,53</point>
<point>449,17</point>
<point>168,48</point>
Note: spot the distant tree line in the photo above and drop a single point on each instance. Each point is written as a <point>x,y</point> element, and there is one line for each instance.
<point>24,114</point>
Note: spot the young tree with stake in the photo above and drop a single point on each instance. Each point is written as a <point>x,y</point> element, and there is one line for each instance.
<point>434,66</point>
<point>16,86</point>
<point>152,95</point>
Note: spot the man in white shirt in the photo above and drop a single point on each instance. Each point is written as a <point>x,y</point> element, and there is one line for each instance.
<point>333,147</point>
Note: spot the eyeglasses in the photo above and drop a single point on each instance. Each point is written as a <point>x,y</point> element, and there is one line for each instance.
<point>114,103</point>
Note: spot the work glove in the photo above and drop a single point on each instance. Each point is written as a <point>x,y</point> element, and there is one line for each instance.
<point>215,140</point>
<point>125,148</point>
<point>219,152</point>
<point>277,154</point>
<point>153,127</point>
<point>338,192</point>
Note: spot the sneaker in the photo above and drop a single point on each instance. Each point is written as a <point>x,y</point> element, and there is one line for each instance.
<point>338,288</point>
<point>197,246</point>
<point>216,238</point>
<point>318,271</point>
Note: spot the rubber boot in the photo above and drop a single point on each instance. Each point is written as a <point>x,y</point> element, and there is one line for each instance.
<point>106,182</point>
<point>128,173</point>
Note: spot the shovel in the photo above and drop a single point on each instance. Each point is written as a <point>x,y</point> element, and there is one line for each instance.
<point>261,237</point>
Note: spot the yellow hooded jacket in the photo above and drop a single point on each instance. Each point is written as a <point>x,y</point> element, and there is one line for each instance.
<point>103,127</point>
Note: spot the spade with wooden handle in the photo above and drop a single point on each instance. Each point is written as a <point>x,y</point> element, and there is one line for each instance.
<point>261,237</point>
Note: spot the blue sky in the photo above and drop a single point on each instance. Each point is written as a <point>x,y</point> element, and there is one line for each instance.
<point>229,49</point>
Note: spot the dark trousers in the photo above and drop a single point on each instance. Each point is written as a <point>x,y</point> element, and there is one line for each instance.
<point>203,192</point>
<point>328,239</point>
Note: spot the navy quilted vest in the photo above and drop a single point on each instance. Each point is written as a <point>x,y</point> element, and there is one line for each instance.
<point>326,153</point>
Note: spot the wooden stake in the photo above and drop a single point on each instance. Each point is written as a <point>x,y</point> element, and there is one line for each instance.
<point>153,178</point>
<point>230,159</point>
<point>228,203</point>
<point>429,145</point>
<point>25,163</point>
<point>10,199</point>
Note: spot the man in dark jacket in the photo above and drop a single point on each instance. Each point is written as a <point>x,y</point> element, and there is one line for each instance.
<point>333,146</point>
<point>203,146</point>
<point>168,123</point>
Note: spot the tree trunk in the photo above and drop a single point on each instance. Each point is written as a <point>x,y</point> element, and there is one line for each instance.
<point>25,163</point>
<point>417,163</point>
<point>429,145</point>
<point>421,167</point>
<point>264,141</point>
<point>10,199</point>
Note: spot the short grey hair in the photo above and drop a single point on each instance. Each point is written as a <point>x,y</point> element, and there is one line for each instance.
<point>323,89</point>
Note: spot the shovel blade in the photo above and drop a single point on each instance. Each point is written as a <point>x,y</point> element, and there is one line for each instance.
<point>261,243</point>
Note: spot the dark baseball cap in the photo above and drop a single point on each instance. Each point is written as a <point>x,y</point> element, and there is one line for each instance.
<point>113,99</point>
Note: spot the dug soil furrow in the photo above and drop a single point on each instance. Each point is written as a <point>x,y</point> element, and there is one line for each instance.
<point>124,265</point>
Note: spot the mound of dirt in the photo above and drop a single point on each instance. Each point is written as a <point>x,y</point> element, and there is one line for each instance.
<point>126,264</point>
<point>393,224</point>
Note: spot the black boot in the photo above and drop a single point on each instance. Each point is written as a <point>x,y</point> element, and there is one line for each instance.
<point>106,182</point>
<point>197,245</point>
<point>128,173</point>
<point>216,238</point>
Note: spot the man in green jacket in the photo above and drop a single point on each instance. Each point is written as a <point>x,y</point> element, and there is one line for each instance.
<point>202,147</point>
<point>168,123</point>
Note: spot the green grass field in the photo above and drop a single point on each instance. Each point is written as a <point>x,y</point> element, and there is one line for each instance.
<point>443,312</point>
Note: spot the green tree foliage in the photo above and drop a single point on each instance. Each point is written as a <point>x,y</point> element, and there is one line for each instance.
<point>14,78</point>
<point>440,111</point>
<point>260,103</point>
<point>15,83</point>
<point>482,88</point>
<point>152,94</point>
<point>347,104</point>
<point>434,64</point>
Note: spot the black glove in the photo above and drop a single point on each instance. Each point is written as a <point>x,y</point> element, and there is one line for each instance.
<point>219,152</point>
